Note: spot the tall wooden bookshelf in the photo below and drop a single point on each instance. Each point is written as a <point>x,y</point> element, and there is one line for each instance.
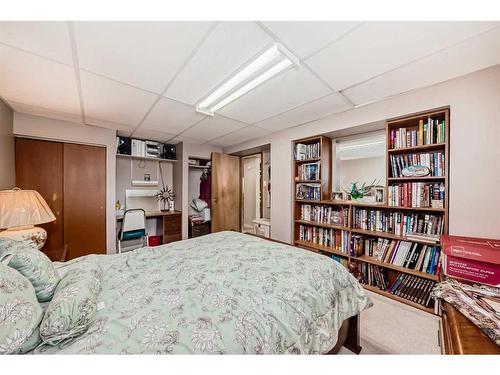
<point>343,248</point>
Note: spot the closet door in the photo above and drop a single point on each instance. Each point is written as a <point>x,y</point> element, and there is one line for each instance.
<point>84,199</point>
<point>39,166</point>
<point>225,207</point>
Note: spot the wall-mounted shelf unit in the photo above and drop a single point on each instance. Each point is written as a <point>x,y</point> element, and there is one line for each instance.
<point>339,235</point>
<point>145,158</point>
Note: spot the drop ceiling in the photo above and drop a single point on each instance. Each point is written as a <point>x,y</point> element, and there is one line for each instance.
<point>144,78</point>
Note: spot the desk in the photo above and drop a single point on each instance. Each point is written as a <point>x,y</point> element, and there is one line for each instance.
<point>172,224</point>
<point>460,336</point>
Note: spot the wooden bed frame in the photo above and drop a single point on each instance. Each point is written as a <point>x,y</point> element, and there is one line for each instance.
<point>349,331</point>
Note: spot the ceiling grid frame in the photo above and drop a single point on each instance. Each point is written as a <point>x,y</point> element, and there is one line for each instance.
<point>85,119</point>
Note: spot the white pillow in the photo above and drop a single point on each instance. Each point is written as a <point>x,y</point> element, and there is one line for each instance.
<point>198,204</point>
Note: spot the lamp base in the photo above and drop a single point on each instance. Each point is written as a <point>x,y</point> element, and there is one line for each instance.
<point>35,236</point>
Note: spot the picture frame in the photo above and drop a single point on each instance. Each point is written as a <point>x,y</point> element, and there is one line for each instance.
<point>338,195</point>
<point>379,193</point>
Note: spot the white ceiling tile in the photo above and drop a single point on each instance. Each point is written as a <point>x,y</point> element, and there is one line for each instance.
<point>477,53</point>
<point>315,110</point>
<point>246,134</point>
<point>181,138</point>
<point>152,135</point>
<point>143,54</point>
<point>45,38</point>
<point>32,80</point>
<point>306,37</point>
<point>44,112</point>
<point>281,93</point>
<point>377,47</point>
<point>108,100</point>
<point>108,124</point>
<point>212,127</point>
<point>171,116</point>
<point>230,46</point>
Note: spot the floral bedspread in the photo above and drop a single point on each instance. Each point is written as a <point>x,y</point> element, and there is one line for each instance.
<point>222,293</point>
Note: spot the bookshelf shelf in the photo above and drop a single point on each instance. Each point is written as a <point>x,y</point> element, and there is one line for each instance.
<point>423,178</point>
<point>325,249</point>
<point>323,225</point>
<point>368,259</point>
<point>308,181</point>
<point>145,158</point>
<point>389,236</point>
<point>417,149</point>
<point>311,160</point>
<point>411,122</point>
<point>397,298</point>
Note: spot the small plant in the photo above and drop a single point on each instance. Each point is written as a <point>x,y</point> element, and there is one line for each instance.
<point>360,192</point>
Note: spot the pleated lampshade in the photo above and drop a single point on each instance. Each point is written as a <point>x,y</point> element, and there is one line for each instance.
<point>22,208</point>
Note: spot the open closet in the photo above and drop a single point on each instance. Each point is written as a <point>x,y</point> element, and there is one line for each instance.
<point>199,197</point>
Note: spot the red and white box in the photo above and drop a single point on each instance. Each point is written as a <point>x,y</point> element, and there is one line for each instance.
<point>473,259</point>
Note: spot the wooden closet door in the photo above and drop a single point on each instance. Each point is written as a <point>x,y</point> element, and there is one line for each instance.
<point>84,199</point>
<point>225,207</point>
<point>39,166</point>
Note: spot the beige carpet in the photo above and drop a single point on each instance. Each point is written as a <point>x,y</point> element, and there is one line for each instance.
<point>391,327</point>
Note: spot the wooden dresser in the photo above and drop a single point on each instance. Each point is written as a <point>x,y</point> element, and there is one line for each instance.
<point>458,335</point>
<point>172,226</point>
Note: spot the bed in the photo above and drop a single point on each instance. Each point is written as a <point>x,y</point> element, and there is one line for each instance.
<point>223,293</point>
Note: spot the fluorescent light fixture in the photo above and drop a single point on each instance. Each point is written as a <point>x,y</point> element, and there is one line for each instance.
<point>264,67</point>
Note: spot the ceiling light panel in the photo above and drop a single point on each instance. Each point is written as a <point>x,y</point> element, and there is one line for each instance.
<point>265,66</point>
<point>286,91</point>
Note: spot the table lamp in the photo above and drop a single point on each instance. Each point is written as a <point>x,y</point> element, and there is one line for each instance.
<point>20,211</point>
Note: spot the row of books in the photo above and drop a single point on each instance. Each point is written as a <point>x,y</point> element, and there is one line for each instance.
<point>415,256</point>
<point>325,214</point>
<point>434,161</point>
<point>306,191</point>
<point>416,195</point>
<point>372,275</point>
<point>332,238</point>
<point>413,288</point>
<point>426,133</point>
<point>307,151</point>
<point>398,223</point>
<point>309,171</point>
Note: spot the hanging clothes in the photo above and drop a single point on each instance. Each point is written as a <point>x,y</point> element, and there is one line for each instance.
<point>206,188</point>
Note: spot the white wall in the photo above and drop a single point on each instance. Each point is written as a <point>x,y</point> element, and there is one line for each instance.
<point>64,131</point>
<point>474,149</point>
<point>7,153</point>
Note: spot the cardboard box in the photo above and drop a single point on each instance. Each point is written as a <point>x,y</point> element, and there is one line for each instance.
<point>482,249</point>
<point>472,259</point>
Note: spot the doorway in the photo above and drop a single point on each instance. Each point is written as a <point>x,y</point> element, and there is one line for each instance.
<point>251,191</point>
